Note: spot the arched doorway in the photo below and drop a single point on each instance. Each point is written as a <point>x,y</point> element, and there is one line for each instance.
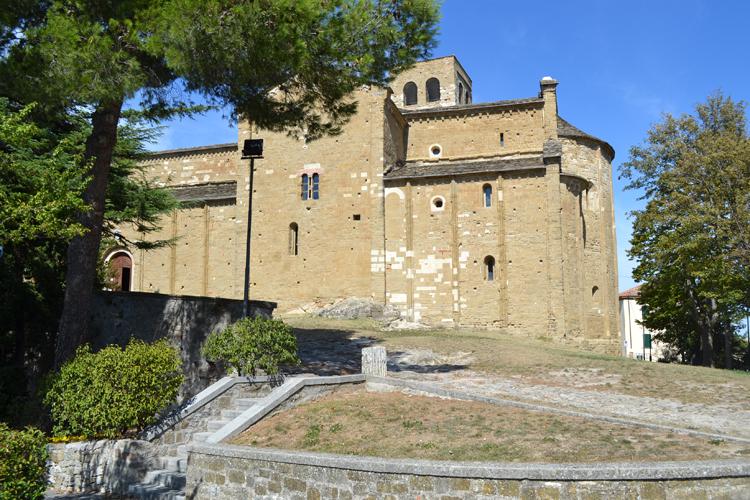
<point>121,275</point>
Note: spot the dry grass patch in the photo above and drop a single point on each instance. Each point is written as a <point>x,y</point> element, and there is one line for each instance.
<point>542,361</point>
<point>402,426</point>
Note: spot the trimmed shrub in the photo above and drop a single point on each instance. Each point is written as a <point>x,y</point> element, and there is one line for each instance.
<point>23,463</point>
<point>253,344</point>
<point>114,392</point>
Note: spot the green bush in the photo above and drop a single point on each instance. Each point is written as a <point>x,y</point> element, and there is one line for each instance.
<point>23,463</point>
<point>253,344</point>
<point>113,392</point>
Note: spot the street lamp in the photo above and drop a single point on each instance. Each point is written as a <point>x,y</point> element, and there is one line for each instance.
<point>252,149</point>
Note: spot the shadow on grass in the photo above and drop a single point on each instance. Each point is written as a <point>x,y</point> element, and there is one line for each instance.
<point>338,351</point>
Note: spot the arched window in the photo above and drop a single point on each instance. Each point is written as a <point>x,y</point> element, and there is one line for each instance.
<point>468,96</point>
<point>487,192</point>
<point>410,94</point>
<point>305,186</point>
<point>315,186</point>
<point>293,239</point>
<point>489,268</point>
<point>433,90</point>
<point>460,92</point>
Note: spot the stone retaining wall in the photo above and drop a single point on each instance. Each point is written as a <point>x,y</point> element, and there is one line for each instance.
<point>185,321</point>
<point>227,472</point>
<point>105,466</point>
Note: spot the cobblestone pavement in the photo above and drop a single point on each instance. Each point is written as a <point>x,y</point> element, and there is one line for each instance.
<point>329,352</point>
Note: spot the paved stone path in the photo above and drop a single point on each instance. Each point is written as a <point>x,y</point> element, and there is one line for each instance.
<point>728,419</point>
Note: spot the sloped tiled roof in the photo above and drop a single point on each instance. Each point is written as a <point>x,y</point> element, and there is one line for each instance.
<point>631,293</point>
<point>566,129</point>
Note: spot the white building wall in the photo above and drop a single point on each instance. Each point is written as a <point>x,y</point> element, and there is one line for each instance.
<point>633,331</point>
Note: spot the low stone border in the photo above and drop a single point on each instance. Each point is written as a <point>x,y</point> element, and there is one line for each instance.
<point>219,472</point>
<point>596,471</point>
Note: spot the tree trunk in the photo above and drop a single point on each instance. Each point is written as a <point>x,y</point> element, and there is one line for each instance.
<point>707,346</point>
<point>728,334</point>
<point>83,251</point>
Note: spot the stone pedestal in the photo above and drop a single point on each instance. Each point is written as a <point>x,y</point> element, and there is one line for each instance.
<point>374,361</point>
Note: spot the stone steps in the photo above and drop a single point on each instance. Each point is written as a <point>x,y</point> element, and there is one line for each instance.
<point>156,492</point>
<point>168,482</point>
<point>245,403</point>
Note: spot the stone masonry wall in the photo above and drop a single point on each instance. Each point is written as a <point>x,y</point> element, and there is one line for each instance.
<point>231,476</point>
<point>103,466</point>
<point>206,255</point>
<point>185,321</point>
<point>475,133</point>
<point>446,69</point>
<point>338,232</point>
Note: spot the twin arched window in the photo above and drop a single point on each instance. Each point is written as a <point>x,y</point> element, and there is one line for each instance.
<point>410,94</point>
<point>310,186</point>
<point>433,90</point>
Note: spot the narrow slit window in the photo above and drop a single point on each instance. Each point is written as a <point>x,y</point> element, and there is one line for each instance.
<point>502,139</point>
<point>489,268</point>
<point>293,239</point>
<point>487,192</point>
<point>315,186</point>
<point>305,186</point>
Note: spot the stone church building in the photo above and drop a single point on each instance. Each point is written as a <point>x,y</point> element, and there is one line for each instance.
<point>495,214</point>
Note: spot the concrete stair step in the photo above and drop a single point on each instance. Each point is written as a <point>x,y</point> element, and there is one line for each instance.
<point>231,414</point>
<point>155,492</point>
<point>163,477</point>
<point>200,437</point>
<point>174,464</point>
<point>215,425</point>
<point>245,403</point>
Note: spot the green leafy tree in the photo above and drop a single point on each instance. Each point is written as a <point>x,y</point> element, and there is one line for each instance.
<point>691,239</point>
<point>42,177</point>
<point>253,344</point>
<point>286,64</point>
<point>114,392</point>
<point>23,463</point>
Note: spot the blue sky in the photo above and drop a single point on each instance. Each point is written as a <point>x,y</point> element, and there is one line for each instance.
<point>620,66</point>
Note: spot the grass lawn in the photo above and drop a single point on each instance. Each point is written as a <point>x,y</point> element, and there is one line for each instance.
<point>541,361</point>
<point>353,421</point>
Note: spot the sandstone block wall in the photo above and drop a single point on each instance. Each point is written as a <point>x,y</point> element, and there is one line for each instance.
<point>447,70</point>
<point>475,132</point>
<point>549,229</point>
<point>337,232</point>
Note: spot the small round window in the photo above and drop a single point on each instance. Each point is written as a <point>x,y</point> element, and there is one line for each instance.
<point>436,151</point>
<point>438,203</point>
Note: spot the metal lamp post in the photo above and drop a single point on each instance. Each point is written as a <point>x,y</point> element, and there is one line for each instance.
<point>252,149</point>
